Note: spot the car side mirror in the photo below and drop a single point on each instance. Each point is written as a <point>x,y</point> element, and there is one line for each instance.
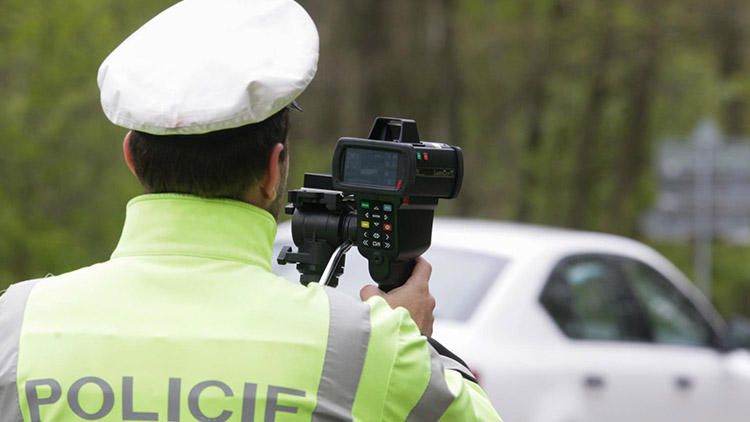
<point>738,333</point>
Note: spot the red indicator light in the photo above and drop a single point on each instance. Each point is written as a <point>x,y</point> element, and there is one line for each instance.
<point>424,156</point>
<point>476,376</point>
<point>398,185</point>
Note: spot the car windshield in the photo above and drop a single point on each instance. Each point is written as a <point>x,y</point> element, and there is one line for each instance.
<point>459,281</point>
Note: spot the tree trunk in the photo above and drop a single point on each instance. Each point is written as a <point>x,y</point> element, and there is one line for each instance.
<point>731,35</point>
<point>538,92</point>
<point>633,154</point>
<point>584,170</point>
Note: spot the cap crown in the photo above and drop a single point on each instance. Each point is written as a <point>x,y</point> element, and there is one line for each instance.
<point>207,65</point>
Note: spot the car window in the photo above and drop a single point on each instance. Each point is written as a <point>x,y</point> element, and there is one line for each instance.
<point>460,279</point>
<point>587,298</point>
<point>673,319</point>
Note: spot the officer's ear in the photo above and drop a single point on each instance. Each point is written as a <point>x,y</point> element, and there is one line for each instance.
<point>126,152</point>
<point>269,185</point>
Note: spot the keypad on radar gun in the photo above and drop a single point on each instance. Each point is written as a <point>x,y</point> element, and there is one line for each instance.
<point>377,224</point>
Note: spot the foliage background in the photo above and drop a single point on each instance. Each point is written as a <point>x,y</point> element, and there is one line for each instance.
<point>558,105</point>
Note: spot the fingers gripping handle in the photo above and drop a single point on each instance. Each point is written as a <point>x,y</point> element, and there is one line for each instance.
<point>397,273</point>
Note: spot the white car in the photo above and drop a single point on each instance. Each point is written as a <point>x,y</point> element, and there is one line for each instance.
<point>570,326</point>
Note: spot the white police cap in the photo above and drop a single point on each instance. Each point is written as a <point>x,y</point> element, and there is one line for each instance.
<point>207,65</point>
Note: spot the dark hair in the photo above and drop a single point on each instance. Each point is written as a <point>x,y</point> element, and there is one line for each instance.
<point>220,164</point>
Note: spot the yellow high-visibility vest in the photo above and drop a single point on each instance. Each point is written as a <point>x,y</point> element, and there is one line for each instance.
<point>186,322</point>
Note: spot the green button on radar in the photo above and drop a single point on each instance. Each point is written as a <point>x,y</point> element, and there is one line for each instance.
<point>365,205</point>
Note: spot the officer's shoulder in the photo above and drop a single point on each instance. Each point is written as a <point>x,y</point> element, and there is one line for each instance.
<point>337,297</point>
<point>28,285</point>
<point>21,290</point>
<point>381,313</point>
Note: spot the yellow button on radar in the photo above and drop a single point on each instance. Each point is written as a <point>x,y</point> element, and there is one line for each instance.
<point>365,224</point>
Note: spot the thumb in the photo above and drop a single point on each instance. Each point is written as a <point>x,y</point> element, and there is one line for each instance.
<point>369,291</point>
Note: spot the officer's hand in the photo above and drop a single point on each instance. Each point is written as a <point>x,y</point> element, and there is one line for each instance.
<point>414,295</point>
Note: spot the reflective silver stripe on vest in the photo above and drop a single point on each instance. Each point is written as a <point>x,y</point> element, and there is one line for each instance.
<point>12,306</point>
<point>348,338</point>
<point>436,397</point>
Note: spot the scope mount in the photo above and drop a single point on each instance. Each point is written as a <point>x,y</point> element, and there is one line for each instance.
<point>394,130</point>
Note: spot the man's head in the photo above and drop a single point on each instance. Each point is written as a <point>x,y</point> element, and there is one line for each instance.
<point>204,88</point>
<point>248,163</point>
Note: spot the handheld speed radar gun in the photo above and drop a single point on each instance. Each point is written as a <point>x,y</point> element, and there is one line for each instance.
<point>380,197</point>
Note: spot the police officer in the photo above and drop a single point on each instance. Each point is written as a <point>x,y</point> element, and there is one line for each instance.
<point>186,322</point>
